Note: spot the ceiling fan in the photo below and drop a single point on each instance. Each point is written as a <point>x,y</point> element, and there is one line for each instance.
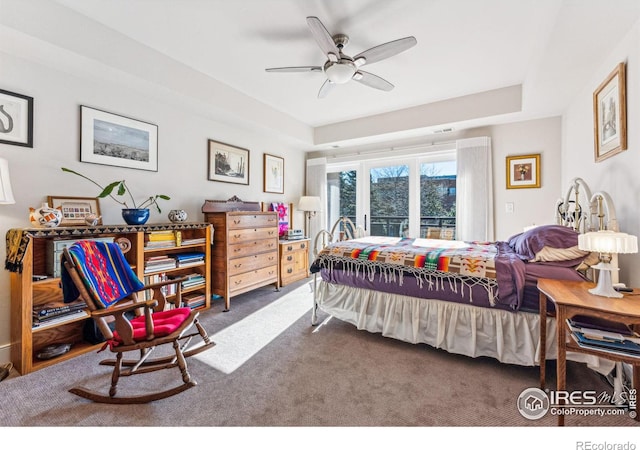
<point>340,68</point>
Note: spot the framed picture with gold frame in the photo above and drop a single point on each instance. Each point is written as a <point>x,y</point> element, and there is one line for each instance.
<point>610,115</point>
<point>75,209</point>
<point>523,171</point>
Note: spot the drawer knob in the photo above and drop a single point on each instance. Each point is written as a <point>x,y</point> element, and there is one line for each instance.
<point>289,258</point>
<point>289,270</point>
<point>302,245</point>
<point>289,248</point>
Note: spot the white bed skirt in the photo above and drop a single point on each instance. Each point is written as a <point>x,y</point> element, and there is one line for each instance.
<point>511,338</point>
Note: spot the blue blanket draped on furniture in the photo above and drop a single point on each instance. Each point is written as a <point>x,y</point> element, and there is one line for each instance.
<point>106,273</point>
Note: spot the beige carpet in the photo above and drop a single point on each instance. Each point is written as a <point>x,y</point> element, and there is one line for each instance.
<point>336,380</point>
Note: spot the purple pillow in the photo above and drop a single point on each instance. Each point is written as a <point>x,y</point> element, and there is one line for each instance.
<point>527,244</point>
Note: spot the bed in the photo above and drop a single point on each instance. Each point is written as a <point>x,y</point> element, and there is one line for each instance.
<point>477,299</point>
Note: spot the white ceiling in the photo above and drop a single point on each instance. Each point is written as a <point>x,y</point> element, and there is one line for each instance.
<point>465,47</point>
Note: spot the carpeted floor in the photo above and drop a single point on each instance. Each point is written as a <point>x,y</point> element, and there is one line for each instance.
<point>335,377</point>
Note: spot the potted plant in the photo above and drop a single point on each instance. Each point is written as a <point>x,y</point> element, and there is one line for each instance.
<point>133,213</point>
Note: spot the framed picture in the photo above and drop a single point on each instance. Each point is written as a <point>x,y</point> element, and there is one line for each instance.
<point>610,115</point>
<point>114,140</point>
<point>273,174</point>
<point>16,119</point>
<point>75,209</point>
<point>227,163</point>
<point>523,171</point>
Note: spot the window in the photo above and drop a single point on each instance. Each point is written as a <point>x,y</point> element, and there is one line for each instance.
<point>400,196</point>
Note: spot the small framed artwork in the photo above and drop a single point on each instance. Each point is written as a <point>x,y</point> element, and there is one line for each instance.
<point>76,209</point>
<point>610,115</point>
<point>523,171</point>
<point>16,119</point>
<point>228,163</point>
<point>115,140</point>
<point>273,174</point>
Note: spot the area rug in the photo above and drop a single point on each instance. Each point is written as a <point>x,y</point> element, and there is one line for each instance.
<point>240,341</point>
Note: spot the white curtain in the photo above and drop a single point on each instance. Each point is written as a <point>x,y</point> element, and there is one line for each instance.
<point>317,186</point>
<point>474,190</point>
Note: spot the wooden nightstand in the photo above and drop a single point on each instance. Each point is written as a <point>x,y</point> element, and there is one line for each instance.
<point>572,298</point>
<point>294,260</point>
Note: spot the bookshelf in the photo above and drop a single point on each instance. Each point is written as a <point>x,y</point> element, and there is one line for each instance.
<point>38,284</point>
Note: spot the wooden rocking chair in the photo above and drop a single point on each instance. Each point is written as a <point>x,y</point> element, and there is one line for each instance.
<point>99,274</point>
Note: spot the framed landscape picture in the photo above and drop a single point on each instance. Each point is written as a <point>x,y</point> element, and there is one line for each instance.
<point>75,209</point>
<point>115,140</point>
<point>228,163</point>
<point>523,171</point>
<point>273,174</point>
<point>16,119</point>
<point>610,115</point>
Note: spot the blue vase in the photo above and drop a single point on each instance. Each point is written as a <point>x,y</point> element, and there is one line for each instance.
<point>135,216</point>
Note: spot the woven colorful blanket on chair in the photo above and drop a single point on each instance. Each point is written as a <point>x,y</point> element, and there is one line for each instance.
<point>105,272</point>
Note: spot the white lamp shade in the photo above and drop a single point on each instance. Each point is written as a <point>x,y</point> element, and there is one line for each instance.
<point>308,203</point>
<point>608,242</point>
<point>6,193</point>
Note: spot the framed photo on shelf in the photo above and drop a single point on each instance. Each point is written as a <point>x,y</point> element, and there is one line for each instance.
<point>273,174</point>
<point>16,119</point>
<point>75,209</point>
<point>115,140</point>
<point>228,163</point>
<point>523,171</point>
<point>610,115</point>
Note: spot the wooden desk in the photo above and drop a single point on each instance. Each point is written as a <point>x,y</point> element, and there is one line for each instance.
<point>572,298</point>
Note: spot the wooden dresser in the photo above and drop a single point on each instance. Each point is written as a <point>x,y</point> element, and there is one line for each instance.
<point>245,251</point>
<point>294,260</point>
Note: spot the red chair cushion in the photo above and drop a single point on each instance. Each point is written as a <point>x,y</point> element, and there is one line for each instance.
<point>164,323</point>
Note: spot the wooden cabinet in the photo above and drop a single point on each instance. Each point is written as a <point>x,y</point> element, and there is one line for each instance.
<point>35,286</point>
<point>245,252</point>
<point>294,260</point>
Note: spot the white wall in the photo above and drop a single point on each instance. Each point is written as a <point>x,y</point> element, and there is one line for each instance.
<point>619,174</point>
<point>182,172</point>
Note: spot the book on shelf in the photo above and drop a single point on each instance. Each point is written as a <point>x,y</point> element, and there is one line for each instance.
<point>53,310</point>
<point>60,319</point>
<point>193,241</point>
<point>603,340</point>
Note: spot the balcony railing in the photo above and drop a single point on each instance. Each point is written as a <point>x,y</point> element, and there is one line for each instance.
<point>395,225</point>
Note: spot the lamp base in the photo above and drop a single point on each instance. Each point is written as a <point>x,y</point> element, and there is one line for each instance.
<point>604,287</point>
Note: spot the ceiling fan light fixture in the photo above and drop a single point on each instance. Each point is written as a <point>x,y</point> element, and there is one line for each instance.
<point>340,73</point>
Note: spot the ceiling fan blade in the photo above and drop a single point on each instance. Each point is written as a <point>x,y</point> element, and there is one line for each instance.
<point>325,89</point>
<point>384,51</point>
<point>295,69</point>
<point>323,38</point>
<point>371,80</point>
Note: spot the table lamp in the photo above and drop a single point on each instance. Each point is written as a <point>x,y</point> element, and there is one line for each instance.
<point>310,205</point>
<point>607,243</point>
<point>6,193</point>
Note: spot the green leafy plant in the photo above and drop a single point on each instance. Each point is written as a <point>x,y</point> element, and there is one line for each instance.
<point>121,189</point>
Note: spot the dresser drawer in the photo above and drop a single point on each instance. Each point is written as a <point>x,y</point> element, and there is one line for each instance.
<point>255,277</point>
<point>252,247</point>
<point>294,246</point>
<point>252,221</point>
<point>251,234</point>
<point>248,263</point>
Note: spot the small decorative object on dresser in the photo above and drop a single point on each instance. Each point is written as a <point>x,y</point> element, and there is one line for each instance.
<point>177,215</point>
<point>45,216</point>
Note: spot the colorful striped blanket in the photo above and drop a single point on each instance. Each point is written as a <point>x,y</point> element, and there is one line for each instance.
<point>105,273</point>
<point>430,261</point>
